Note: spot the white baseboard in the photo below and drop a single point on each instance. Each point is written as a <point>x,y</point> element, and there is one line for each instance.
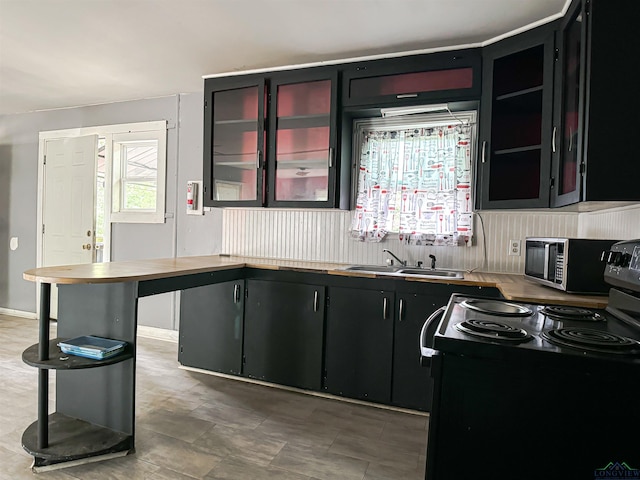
<point>17,313</point>
<point>158,333</point>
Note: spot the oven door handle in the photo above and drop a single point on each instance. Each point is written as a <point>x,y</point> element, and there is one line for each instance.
<point>427,352</point>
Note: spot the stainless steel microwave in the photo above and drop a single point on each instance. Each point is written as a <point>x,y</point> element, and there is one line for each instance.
<point>574,265</point>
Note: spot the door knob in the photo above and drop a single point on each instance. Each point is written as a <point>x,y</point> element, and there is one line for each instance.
<point>86,247</point>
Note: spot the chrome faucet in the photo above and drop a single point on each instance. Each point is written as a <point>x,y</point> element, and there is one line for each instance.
<point>402,262</point>
<point>433,261</point>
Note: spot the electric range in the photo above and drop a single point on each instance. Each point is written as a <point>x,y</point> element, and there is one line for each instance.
<point>532,391</point>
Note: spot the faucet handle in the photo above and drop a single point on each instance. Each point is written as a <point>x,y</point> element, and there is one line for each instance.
<point>419,264</point>
<point>390,262</point>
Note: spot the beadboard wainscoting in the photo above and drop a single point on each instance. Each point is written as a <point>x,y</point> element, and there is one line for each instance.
<point>323,235</point>
<point>617,223</point>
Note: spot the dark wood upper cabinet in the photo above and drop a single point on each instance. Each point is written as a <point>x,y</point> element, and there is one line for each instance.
<point>515,121</point>
<point>271,140</point>
<point>593,161</point>
<point>414,79</point>
<point>234,141</point>
<point>303,157</point>
<point>551,117</point>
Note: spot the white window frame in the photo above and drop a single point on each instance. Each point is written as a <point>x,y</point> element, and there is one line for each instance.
<point>118,214</point>
<point>107,132</point>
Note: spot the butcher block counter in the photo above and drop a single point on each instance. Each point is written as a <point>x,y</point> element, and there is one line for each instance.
<point>512,286</point>
<point>101,299</point>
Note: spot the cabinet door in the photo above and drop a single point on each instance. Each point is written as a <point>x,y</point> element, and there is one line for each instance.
<point>284,327</point>
<point>302,153</point>
<point>412,383</point>
<point>234,142</point>
<point>358,351</point>
<point>569,107</point>
<point>516,119</point>
<point>595,161</point>
<point>211,326</point>
<point>413,79</point>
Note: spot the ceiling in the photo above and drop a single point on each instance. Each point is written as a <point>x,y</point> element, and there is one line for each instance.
<point>65,53</point>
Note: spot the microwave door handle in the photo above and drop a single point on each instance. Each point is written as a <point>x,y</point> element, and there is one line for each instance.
<point>545,275</point>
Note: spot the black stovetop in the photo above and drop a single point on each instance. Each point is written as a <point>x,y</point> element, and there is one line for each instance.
<point>538,333</point>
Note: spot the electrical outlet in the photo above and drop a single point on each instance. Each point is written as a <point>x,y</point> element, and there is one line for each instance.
<point>514,248</point>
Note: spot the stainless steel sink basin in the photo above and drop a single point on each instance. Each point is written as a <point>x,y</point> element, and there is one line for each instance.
<point>405,271</point>
<point>373,268</point>
<point>424,272</point>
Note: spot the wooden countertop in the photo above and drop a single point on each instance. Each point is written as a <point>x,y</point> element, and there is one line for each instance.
<point>513,287</point>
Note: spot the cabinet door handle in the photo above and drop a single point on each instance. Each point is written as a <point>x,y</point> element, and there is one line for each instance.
<point>570,139</point>
<point>484,150</point>
<point>384,308</point>
<point>553,140</point>
<point>400,310</point>
<point>236,293</point>
<point>330,157</point>
<point>258,155</point>
<point>315,301</point>
<point>407,95</point>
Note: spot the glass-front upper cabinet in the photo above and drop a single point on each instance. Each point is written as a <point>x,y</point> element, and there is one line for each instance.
<point>302,140</point>
<point>515,139</point>
<point>270,140</point>
<point>425,78</point>
<point>234,142</point>
<point>594,103</point>
<point>568,121</point>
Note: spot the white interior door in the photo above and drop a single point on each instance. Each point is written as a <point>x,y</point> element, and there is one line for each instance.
<point>68,206</point>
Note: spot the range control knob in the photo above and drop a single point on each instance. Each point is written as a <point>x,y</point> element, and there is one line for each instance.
<point>610,257</point>
<point>623,260</point>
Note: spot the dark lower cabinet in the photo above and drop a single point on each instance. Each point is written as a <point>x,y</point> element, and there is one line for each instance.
<point>358,354</point>
<point>284,327</point>
<point>412,383</point>
<point>211,327</point>
<point>350,341</point>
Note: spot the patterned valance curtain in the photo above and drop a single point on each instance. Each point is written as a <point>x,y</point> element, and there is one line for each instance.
<point>415,182</point>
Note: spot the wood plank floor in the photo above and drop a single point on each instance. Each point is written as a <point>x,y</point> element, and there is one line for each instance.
<point>192,425</point>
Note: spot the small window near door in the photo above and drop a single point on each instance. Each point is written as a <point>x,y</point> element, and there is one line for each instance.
<point>139,160</point>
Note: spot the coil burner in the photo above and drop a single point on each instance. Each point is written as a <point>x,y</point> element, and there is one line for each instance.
<point>572,313</point>
<point>592,340</point>
<point>496,307</point>
<point>494,330</point>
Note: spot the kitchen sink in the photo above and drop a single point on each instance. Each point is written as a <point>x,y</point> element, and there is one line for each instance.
<point>424,272</point>
<point>405,271</point>
<point>373,268</point>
